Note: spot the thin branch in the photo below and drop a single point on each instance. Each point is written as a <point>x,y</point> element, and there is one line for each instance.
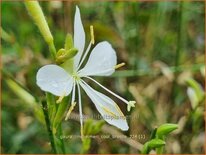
<point>143,72</point>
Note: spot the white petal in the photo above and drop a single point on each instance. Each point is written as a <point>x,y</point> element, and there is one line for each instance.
<point>107,108</point>
<point>54,79</point>
<point>79,36</point>
<point>101,61</point>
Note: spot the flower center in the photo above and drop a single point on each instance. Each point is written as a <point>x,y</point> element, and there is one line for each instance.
<point>76,77</point>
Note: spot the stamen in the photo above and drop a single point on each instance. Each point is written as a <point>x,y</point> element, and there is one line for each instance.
<point>105,108</point>
<point>131,104</point>
<point>92,34</point>
<point>72,102</point>
<point>59,100</point>
<point>119,97</point>
<point>85,54</point>
<point>70,110</point>
<point>80,112</point>
<point>119,65</point>
<point>101,72</point>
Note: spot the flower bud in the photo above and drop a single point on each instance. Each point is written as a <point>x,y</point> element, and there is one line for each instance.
<point>63,55</point>
<point>165,129</point>
<point>68,42</point>
<point>37,15</point>
<point>155,143</point>
<point>152,144</point>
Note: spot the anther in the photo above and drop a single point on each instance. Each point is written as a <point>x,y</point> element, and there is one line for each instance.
<point>70,110</point>
<point>59,100</point>
<point>92,33</point>
<point>119,65</point>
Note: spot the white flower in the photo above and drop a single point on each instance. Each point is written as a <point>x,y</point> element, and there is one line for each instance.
<point>102,62</point>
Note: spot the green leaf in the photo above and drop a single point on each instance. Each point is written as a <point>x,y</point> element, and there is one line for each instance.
<point>152,144</point>
<point>51,104</point>
<point>29,100</point>
<point>88,127</point>
<point>165,129</point>
<point>21,93</point>
<point>58,144</point>
<point>97,127</point>
<point>62,107</point>
<point>7,37</point>
<point>86,143</point>
<point>38,113</point>
<point>197,88</point>
<point>91,127</point>
<point>145,149</point>
<point>196,118</point>
<point>153,134</point>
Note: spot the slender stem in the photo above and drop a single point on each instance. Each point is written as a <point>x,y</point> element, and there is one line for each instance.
<point>48,125</point>
<point>62,141</point>
<point>179,36</point>
<point>179,48</point>
<point>160,150</point>
<point>52,50</point>
<point>177,60</point>
<point>51,105</point>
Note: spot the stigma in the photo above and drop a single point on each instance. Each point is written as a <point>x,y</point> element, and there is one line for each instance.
<point>76,77</point>
<point>130,105</point>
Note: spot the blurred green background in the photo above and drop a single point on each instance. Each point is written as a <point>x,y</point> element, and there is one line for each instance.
<point>162,44</point>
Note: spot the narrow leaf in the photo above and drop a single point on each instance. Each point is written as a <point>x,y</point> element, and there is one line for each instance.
<point>60,113</point>
<point>196,87</point>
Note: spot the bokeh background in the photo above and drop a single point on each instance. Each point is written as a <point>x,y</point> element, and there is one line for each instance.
<point>162,44</point>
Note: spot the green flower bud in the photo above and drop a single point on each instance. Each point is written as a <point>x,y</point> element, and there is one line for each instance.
<point>155,143</point>
<point>165,129</point>
<point>63,55</point>
<point>68,42</point>
<point>37,15</point>
<point>152,144</point>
